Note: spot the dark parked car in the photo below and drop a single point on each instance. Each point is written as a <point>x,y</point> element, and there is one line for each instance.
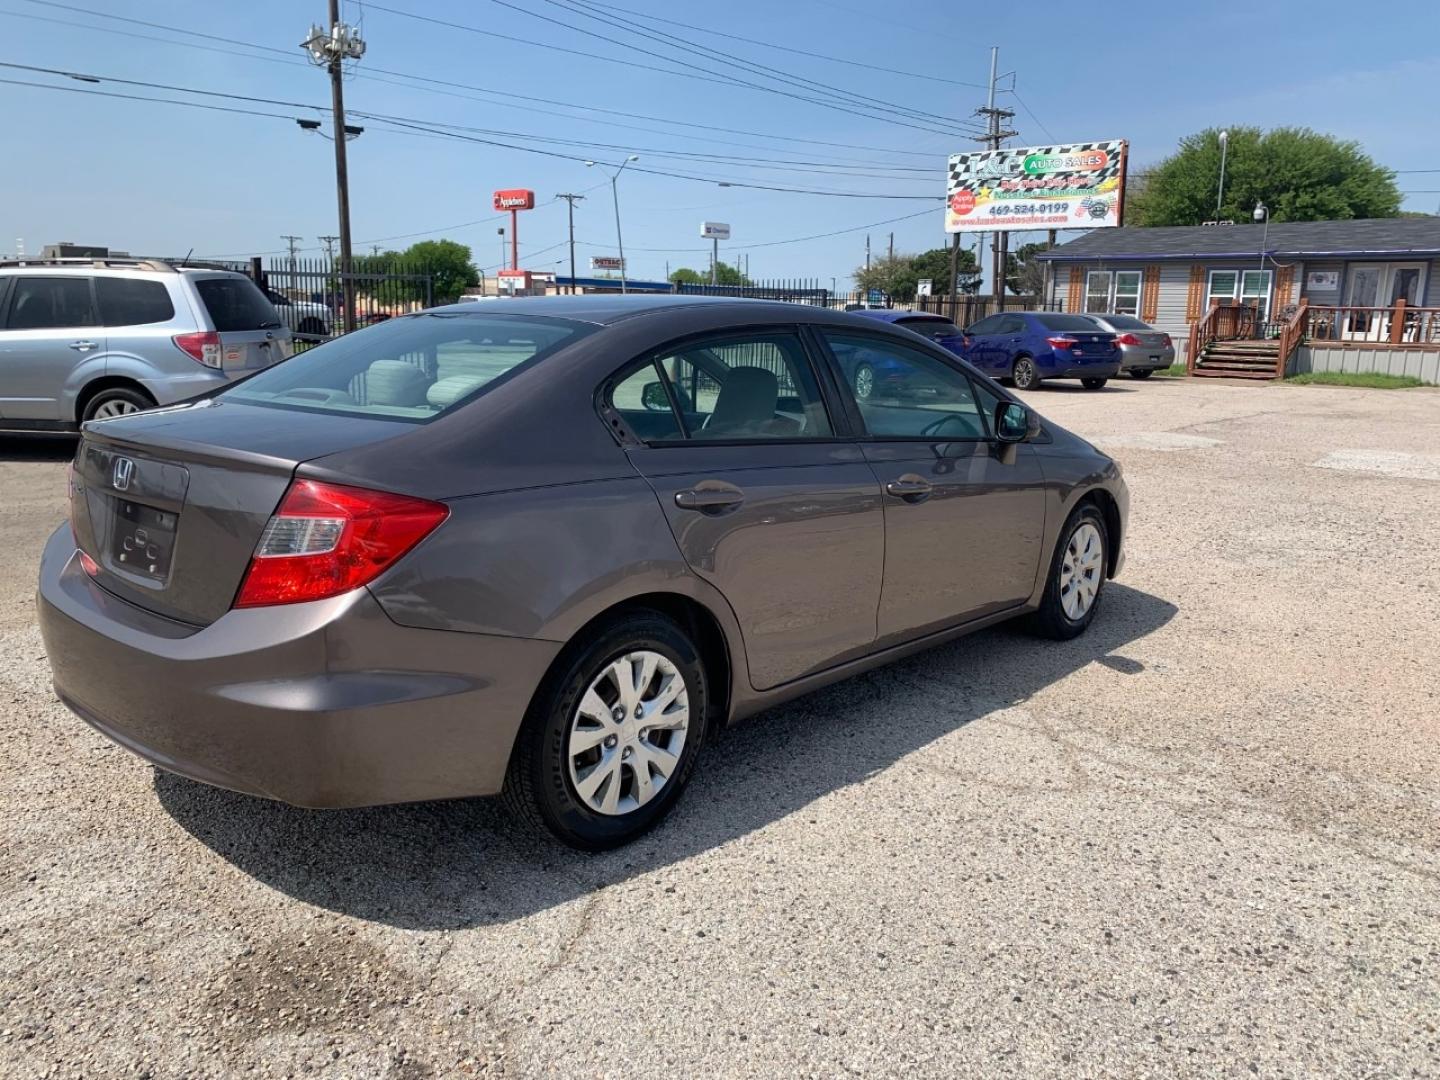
<point>1143,349</point>
<point>546,547</point>
<point>1025,347</point>
<point>878,374</point>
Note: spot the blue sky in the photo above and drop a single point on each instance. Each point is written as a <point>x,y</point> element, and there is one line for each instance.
<point>157,178</point>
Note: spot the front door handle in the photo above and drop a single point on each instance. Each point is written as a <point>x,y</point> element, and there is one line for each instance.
<point>911,488</point>
<point>709,500</point>
<point>82,346</point>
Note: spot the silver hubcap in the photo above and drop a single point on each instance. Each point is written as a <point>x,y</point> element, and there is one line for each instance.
<point>864,382</point>
<point>1081,571</point>
<point>115,407</point>
<point>628,732</point>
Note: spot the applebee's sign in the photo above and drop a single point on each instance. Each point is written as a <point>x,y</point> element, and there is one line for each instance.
<point>515,199</point>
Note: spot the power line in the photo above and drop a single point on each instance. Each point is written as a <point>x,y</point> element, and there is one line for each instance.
<point>786,48</point>
<point>376,75</point>
<point>1028,112</point>
<point>867,101</point>
<point>691,72</point>
<point>778,243</point>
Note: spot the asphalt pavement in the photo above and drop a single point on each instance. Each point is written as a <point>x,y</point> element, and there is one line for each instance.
<point>1202,840</point>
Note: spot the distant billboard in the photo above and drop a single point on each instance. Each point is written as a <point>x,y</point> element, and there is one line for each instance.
<point>606,262</point>
<point>714,230</point>
<point>515,199</point>
<point>1073,186</point>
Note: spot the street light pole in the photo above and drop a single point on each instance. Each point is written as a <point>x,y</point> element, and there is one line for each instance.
<point>615,195</point>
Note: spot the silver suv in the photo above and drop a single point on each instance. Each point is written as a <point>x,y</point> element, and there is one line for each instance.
<point>89,339</point>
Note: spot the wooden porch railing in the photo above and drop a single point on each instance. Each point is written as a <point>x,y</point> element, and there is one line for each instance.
<point>1227,322</point>
<point>1292,333</point>
<point>1397,326</point>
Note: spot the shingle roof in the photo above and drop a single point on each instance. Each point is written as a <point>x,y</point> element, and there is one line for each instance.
<point>1375,236</point>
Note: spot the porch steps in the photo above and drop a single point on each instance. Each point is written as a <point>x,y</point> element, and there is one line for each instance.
<point>1239,359</point>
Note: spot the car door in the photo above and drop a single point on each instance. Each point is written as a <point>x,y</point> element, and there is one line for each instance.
<point>1009,342</point>
<point>964,516</point>
<point>767,497</point>
<point>50,329</point>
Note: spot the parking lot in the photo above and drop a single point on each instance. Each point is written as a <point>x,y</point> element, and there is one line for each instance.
<point>1202,839</point>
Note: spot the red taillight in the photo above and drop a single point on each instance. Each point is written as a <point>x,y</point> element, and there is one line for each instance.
<point>87,563</point>
<point>203,346</point>
<point>1062,342</point>
<point>1168,341</point>
<point>1127,339</point>
<point>326,539</point>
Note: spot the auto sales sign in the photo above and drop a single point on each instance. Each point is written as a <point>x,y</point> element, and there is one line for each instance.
<point>1074,186</point>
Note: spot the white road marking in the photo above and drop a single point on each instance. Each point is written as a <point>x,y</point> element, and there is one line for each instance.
<point>1155,440</point>
<point>1388,462</point>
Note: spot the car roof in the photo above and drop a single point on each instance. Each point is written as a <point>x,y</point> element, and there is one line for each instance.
<point>608,308</point>
<point>897,315</point>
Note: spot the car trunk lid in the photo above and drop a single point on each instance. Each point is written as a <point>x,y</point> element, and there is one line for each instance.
<point>169,505</point>
<point>252,334</point>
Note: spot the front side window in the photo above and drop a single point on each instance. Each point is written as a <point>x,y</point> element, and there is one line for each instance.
<point>44,303</point>
<point>934,329</point>
<point>738,388</point>
<point>910,393</point>
<point>410,368</point>
<point>133,301</point>
<point>987,325</point>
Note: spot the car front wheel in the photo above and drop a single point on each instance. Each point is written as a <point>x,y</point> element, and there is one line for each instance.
<point>1024,374</point>
<point>611,738</point>
<point>1077,576</point>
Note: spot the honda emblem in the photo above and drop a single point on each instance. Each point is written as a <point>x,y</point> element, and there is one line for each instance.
<point>121,473</point>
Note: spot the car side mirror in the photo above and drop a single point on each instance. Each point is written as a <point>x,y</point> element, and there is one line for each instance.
<point>1014,422</point>
<point>653,397</point>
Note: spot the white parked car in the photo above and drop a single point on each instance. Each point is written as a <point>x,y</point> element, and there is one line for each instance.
<point>303,316</point>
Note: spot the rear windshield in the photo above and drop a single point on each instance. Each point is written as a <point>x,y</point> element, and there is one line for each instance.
<point>235,304</point>
<point>1068,322</point>
<point>1126,322</point>
<point>411,368</point>
<point>932,328</point>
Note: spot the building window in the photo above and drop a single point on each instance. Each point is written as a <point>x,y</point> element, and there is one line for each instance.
<point>1249,287</point>
<point>1116,292</point>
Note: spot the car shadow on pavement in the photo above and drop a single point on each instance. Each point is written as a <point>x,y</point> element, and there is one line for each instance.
<point>463,863</point>
<point>37,447</point>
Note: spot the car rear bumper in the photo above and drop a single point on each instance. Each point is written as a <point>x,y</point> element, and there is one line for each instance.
<point>326,704</point>
<point>1143,358</point>
<point>1090,369</point>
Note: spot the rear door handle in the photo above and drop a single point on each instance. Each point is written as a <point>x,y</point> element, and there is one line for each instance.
<point>82,346</point>
<point>709,500</point>
<point>911,488</point>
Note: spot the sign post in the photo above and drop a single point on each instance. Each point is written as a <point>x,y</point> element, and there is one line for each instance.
<point>514,200</point>
<point>714,231</point>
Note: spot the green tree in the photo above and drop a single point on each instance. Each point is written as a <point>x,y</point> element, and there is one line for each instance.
<point>725,274</point>
<point>1024,275</point>
<point>446,261</point>
<point>898,276</point>
<point>1299,174</point>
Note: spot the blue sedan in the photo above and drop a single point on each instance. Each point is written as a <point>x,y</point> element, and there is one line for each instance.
<point>880,374</point>
<point>1026,347</point>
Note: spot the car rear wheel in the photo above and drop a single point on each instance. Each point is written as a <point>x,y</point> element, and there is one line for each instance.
<point>864,382</point>
<point>311,326</point>
<point>1077,576</point>
<point>611,738</point>
<point>1024,374</point>
<point>118,401</point>
<point>1142,373</point>
<point>1093,384</point>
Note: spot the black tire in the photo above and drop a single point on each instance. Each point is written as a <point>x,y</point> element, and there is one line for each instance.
<point>1142,373</point>
<point>1024,375</point>
<point>311,325</point>
<point>539,788</point>
<point>116,398</point>
<point>1093,384</point>
<point>864,377</point>
<point>1050,619</point>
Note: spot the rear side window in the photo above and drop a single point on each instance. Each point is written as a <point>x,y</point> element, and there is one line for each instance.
<point>42,303</point>
<point>133,301</point>
<point>1068,322</point>
<point>234,303</point>
<point>1127,322</point>
<point>412,368</point>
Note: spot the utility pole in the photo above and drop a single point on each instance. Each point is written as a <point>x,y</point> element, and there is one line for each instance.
<point>867,251</point>
<point>992,139</point>
<point>291,242</point>
<point>892,245</point>
<point>329,242</point>
<point>571,199</point>
<point>329,49</point>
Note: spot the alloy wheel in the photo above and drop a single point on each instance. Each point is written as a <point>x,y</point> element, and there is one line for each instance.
<point>628,732</point>
<point>1081,571</point>
<point>864,382</point>
<point>1024,375</point>
<point>108,410</point>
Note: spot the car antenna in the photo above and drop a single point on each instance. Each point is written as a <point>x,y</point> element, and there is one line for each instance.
<point>186,259</point>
